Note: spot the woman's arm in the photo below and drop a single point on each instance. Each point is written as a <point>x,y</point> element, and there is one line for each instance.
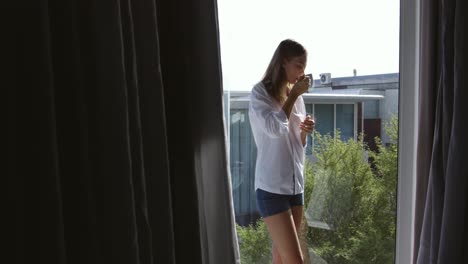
<point>264,116</point>
<point>288,105</point>
<point>307,127</point>
<point>299,88</point>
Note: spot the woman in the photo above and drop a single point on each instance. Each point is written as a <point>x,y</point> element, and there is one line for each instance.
<point>280,128</point>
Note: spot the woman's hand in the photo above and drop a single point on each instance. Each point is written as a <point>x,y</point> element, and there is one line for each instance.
<point>308,125</point>
<point>301,86</point>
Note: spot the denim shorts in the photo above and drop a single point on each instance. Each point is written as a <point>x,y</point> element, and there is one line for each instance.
<point>269,204</point>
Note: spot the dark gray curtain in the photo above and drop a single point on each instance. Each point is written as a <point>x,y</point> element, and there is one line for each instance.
<point>441,217</point>
<point>115,137</point>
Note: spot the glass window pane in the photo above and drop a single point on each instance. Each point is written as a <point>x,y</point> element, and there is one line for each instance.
<point>345,120</point>
<point>371,109</point>
<point>242,157</point>
<point>324,119</point>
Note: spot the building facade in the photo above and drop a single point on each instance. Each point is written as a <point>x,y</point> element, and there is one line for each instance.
<point>350,104</point>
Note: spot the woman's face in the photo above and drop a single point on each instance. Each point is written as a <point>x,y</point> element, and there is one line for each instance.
<point>294,68</point>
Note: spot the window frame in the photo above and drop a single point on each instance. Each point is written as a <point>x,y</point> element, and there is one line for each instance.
<point>408,129</point>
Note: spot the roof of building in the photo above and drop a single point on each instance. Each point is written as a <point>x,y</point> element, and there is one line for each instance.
<point>350,84</point>
<point>339,90</point>
<point>360,80</point>
<point>242,101</point>
<point>320,97</point>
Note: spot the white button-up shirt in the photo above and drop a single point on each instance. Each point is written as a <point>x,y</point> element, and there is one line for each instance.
<point>280,153</point>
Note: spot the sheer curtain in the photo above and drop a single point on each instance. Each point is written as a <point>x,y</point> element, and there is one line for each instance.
<point>441,222</point>
<point>116,144</point>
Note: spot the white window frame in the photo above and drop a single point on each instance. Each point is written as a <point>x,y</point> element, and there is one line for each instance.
<point>408,129</point>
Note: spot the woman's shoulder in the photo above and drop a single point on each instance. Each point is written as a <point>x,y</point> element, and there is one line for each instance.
<point>258,87</point>
<point>259,90</point>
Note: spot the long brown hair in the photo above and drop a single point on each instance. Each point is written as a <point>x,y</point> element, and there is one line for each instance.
<point>275,75</point>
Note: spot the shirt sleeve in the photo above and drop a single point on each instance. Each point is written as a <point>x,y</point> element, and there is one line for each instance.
<point>273,123</point>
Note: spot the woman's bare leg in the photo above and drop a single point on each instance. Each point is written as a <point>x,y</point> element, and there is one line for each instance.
<point>297,213</point>
<point>276,255</point>
<point>282,230</point>
<point>301,230</point>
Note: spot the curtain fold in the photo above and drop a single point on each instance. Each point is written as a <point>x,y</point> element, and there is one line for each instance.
<point>427,94</point>
<point>442,210</point>
<point>118,145</point>
<point>193,89</point>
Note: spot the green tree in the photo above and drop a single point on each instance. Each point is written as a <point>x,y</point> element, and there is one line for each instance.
<point>356,200</point>
<point>254,243</point>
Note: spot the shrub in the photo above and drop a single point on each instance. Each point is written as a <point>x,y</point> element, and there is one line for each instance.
<point>254,243</point>
<point>357,200</point>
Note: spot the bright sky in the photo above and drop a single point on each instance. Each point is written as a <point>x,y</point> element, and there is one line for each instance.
<point>339,35</point>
